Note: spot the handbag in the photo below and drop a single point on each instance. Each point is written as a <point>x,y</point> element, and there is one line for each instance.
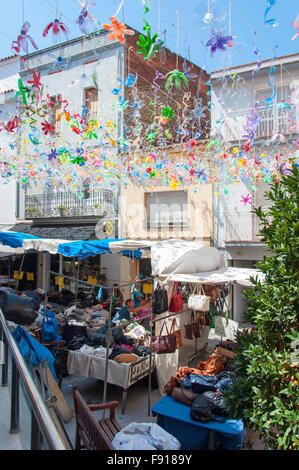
<point>192,330</point>
<point>159,300</point>
<point>214,292</point>
<point>164,344</point>
<point>177,333</point>
<point>199,302</point>
<point>183,396</point>
<point>176,302</point>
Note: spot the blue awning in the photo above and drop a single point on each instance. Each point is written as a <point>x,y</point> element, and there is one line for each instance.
<point>78,249</point>
<point>15,239</point>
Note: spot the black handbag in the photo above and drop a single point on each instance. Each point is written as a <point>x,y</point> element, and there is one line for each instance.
<point>208,406</point>
<point>159,300</point>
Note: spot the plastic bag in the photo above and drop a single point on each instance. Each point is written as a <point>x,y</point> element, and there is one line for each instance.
<point>144,436</point>
<point>20,309</point>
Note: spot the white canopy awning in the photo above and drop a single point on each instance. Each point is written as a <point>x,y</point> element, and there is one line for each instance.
<point>240,276</point>
<point>182,256</point>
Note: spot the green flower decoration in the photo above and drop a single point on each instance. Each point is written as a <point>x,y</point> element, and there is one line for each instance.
<point>177,77</point>
<point>168,112</point>
<point>149,46</point>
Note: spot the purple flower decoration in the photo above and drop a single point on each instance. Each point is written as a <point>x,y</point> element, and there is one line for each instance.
<point>53,155</point>
<point>200,173</point>
<point>252,122</point>
<point>218,41</point>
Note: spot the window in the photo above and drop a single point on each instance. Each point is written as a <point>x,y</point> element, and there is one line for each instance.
<point>91,102</point>
<point>167,209</point>
<point>55,113</point>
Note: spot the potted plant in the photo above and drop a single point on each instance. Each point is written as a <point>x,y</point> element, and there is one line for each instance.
<point>32,211</point>
<point>63,210</point>
<point>97,209</point>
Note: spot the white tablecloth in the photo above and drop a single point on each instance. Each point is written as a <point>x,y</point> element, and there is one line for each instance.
<point>88,364</point>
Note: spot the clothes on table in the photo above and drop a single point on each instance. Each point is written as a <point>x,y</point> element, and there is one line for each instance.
<point>175,418</point>
<point>122,314</point>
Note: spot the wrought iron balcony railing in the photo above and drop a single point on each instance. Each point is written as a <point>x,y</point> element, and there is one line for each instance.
<point>99,202</point>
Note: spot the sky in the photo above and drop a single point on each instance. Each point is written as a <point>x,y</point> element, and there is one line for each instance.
<point>180,24</point>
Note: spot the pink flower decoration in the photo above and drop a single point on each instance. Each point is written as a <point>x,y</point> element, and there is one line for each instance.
<point>246,199</point>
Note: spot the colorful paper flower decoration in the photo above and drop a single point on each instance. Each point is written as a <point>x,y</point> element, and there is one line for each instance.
<point>218,41</point>
<point>148,46</point>
<point>118,30</point>
<point>84,16</point>
<point>295,24</point>
<point>177,77</point>
<point>21,44</point>
<point>56,26</point>
<point>168,112</point>
<point>246,199</point>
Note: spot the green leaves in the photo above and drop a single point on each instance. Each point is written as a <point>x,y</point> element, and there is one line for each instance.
<point>265,392</point>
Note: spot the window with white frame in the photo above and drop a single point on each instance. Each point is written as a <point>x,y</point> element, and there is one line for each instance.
<point>167,209</point>
<point>92,102</point>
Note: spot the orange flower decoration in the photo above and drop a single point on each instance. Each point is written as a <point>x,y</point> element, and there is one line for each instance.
<point>118,30</point>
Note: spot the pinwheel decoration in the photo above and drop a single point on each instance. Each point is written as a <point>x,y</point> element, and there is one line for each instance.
<point>21,44</point>
<point>295,24</point>
<point>118,30</point>
<point>218,41</point>
<point>57,27</point>
<point>177,77</point>
<point>84,16</point>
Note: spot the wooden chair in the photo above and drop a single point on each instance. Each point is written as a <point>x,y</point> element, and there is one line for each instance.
<point>95,435</point>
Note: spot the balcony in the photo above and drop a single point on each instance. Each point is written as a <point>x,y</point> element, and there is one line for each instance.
<point>88,203</point>
<point>241,226</point>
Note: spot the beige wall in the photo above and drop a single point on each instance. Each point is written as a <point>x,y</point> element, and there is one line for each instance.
<point>133,213</point>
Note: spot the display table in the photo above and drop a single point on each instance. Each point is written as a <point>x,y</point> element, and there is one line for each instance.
<point>174,417</point>
<point>121,374</point>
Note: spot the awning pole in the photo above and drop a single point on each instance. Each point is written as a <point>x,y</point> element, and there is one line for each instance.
<point>77,281</point>
<point>108,339</point>
<point>20,270</point>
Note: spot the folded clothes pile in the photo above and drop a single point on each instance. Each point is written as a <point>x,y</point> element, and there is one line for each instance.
<point>203,388</point>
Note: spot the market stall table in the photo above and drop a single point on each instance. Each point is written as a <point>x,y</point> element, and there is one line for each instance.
<point>174,417</point>
<point>121,374</point>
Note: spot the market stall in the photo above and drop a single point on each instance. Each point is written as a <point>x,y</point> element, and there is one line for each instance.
<point>87,355</point>
<point>198,284</point>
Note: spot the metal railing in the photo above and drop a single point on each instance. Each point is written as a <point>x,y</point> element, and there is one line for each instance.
<point>43,432</point>
<point>99,202</point>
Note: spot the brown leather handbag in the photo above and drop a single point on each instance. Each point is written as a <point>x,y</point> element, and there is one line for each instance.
<point>192,330</point>
<point>177,332</point>
<point>183,395</point>
<point>164,344</point>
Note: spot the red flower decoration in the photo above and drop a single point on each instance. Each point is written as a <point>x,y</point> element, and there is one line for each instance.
<point>47,128</point>
<point>35,80</point>
<point>56,26</point>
